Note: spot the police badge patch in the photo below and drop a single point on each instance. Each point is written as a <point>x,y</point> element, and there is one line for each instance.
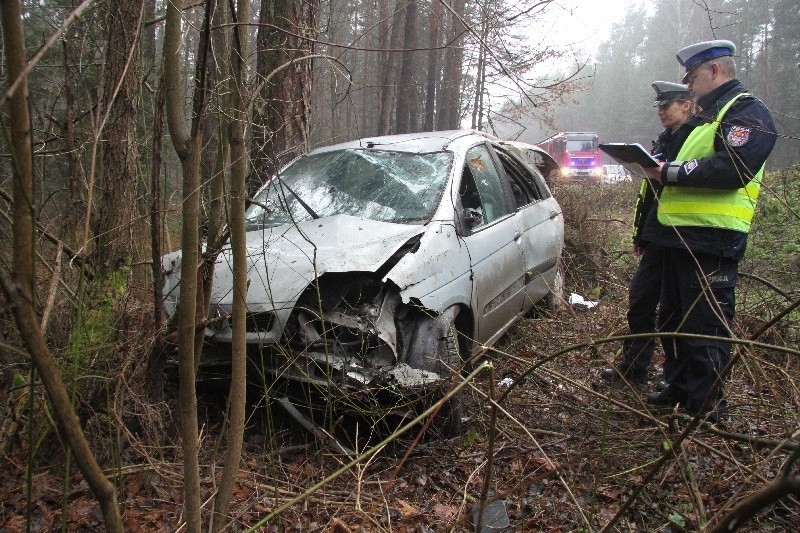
<point>738,135</point>
<point>691,165</point>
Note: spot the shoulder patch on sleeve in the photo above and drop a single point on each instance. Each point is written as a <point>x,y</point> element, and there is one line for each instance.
<point>691,165</point>
<point>738,135</point>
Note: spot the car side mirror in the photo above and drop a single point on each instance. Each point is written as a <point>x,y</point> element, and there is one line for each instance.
<point>472,217</point>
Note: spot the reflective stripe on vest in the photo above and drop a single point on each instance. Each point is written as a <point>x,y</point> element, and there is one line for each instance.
<point>637,209</point>
<point>715,208</point>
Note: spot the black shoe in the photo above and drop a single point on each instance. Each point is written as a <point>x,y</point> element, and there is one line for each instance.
<point>661,385</point>
<point>665,398</point>
<point>618,373</point>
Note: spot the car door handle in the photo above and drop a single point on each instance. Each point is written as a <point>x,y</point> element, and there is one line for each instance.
<point>553,214</point>
<point>517,235</point>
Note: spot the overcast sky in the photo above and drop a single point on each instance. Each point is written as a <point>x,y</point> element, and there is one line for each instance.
<point>587,23</point>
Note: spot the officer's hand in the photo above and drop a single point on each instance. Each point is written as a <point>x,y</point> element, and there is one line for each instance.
<point>654,173</point>
<point>636,250</point>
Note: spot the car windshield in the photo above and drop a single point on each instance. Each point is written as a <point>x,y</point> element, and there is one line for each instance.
<point>379,185</point>
<point>587,145</point>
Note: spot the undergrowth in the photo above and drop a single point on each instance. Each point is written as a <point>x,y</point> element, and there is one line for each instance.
<point>567,450</point>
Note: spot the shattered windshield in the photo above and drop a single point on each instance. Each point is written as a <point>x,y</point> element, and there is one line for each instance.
<point>378,185</point>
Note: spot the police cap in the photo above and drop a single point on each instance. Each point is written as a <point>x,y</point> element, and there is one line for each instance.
<point>667,91</point>
<point>693,55</point>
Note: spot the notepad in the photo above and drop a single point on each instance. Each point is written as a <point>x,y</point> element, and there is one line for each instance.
<point>629,153</point>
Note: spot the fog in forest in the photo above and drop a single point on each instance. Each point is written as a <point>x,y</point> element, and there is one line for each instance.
<point>613,96</point>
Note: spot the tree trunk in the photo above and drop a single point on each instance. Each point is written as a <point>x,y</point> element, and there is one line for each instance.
<point>187,142</point>
<point>149,40</point>
<point>480,77</point>
<point>449,105</point>
<point>155,364</point>
<point>237,133</point>
<point>369,60</point>
<point>434,72</point>
<point>385,75</point>
<point>389,78</point>
<point>119,102</point>
<point>215,165</point>
<point>19,290</point>
<point>407,108</point>
<point>72,220</point>
<point>280,122</point>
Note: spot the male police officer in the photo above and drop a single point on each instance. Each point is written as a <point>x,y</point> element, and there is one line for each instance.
<point>675,106</point>
<point>705,210</point>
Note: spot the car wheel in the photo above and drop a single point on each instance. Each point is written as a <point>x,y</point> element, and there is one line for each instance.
<point>438,350</point>
<point>448,421</point>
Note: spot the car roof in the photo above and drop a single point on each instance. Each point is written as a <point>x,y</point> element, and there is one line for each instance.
<point>423,142</point>
<point>527,146</point>
<point>547,165</point>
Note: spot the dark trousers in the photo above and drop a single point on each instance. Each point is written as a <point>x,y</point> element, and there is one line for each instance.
<point>643,297</point>
<point>697,297</point>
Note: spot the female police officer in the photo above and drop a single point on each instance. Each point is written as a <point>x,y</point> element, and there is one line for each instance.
<point>675,106</point>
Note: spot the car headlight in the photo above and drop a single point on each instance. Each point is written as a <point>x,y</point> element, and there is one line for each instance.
<point>566,171</point>
<point>598,171</point>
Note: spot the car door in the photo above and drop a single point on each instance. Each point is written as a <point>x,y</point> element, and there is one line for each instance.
<point>538,226</point>
<point>495,258</point>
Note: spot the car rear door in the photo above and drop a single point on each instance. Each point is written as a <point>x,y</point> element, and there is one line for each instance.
<point>495,258</point>
<point>538,227</point>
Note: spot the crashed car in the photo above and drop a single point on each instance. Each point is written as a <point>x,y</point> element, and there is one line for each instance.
<point>388,262</point>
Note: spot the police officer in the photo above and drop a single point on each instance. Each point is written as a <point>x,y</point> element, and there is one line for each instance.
<point>704,212</point>
<point>675,106</point>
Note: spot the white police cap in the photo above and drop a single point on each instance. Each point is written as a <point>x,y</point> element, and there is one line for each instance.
<point>667,91</point>
<point>695,54</point>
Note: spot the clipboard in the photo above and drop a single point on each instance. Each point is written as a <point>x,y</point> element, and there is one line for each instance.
<point>633,153</point>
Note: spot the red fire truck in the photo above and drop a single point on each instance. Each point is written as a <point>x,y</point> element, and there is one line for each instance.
<point>577,155</point>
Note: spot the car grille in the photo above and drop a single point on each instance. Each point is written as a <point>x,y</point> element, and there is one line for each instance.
<point>583,161</point>
<point>259,322</point>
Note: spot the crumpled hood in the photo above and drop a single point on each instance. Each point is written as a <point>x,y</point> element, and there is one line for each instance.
<point>283,260</point>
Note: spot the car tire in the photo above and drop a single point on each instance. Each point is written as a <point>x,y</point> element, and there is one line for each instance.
<point>447,421</point>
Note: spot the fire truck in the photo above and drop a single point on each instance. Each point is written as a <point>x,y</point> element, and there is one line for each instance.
<point>577,154</point>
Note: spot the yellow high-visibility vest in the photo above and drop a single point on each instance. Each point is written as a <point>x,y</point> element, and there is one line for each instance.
<point>714,208</point>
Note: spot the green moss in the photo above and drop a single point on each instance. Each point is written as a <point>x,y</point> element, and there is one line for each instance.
<point>94,334</point>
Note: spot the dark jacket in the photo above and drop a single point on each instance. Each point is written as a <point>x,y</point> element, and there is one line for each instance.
<point>665,148</point>
<point>747,137</point>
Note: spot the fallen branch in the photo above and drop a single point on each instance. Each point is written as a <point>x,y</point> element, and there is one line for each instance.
<point>315,430</point>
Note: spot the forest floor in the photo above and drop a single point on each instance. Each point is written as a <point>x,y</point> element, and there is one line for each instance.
<point>565,450</point>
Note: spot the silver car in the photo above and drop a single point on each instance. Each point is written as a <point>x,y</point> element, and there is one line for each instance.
<point>615,174</point>
<point>384,264</point>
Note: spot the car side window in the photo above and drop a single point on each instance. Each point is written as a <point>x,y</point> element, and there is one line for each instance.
<point>521,179</point>
<point>487,185</point>
<point>539,178</point>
